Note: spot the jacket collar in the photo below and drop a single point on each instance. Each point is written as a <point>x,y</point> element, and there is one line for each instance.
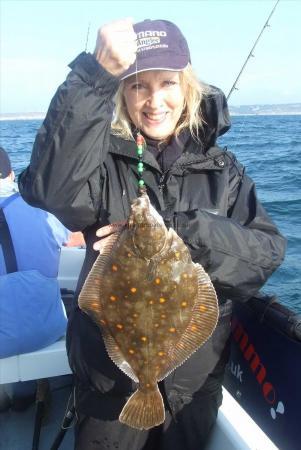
<point>127,149</point>
<point>193,158</point>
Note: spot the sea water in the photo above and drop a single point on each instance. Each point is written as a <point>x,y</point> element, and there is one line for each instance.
<point>270,149</point>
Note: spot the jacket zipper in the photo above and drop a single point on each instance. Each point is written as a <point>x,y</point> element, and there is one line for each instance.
<point>162,181</point>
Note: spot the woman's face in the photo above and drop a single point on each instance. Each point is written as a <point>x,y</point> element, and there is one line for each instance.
<point>154,102</point>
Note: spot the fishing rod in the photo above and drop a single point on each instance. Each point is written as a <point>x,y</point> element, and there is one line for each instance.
<point>87,37</point>
<point>251,52</point>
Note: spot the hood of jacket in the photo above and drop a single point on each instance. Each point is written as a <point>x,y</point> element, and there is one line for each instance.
<point>215,113</point>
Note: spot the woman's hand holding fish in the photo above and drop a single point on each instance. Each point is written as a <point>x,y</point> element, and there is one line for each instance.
<point>105,232</point>
<point>116,46</point>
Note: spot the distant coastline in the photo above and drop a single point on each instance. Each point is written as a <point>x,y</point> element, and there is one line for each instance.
<point>266,110</point>
<point>266,113</point>
<point>289,109</point>
<point>23,116</point>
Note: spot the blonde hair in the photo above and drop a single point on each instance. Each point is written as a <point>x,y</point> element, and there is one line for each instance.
<point>191,117</point>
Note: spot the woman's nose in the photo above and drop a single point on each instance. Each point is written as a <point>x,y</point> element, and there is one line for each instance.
<point>155,99</point>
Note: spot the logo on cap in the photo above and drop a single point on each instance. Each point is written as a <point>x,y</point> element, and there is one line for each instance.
<point>150,39</point>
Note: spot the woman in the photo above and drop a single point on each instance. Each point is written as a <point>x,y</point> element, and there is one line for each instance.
<point>84,170</point>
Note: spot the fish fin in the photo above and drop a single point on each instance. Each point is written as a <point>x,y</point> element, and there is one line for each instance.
<point>90,302</point>
<point>200,327</point>
<point>143,410</point>
<point>91,290</point>
<point>116,355</point>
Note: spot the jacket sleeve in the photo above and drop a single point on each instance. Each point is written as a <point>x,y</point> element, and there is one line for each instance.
<point>66,168</point>
<point>240,251</point>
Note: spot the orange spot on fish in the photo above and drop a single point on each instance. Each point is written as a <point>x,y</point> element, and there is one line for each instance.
<point>131,351</point>
<point>148,385</point>
<point>156,325</point>
<point>183,304</point>
<point>161,353</point>
<point>157,281</point>
<point>172,330</point>
<point>162,300</point>
<point>185,275</point>
<point>193,328</point>
<point>133,290</point>
<point>119,326</point>
<point>151,302</point>
<point>177,254</point>
<point>129,255</point>
<point>163,316</point>
<point>203,308</point>
<point>143,338</point>
<point>114,268</point>
<point>113,298</point>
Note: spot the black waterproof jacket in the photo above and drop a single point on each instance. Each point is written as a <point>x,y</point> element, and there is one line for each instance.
<point>87,177</point>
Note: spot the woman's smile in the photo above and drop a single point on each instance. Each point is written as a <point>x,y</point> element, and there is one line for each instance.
<point>155,102</point>
<point>155,118</point>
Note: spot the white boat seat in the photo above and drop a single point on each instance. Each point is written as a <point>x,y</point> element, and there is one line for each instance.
<point>48,362</point>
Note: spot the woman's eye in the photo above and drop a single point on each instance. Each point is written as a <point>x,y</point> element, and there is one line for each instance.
<point>136,86</point>
<point>169,83</point>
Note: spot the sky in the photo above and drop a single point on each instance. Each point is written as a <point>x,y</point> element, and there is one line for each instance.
<point>40,38</point>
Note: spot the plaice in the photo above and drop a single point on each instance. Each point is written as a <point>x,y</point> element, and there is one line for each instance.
<point>154,307</point>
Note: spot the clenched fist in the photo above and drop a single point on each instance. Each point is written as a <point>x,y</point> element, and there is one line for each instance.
<point>116,46</point>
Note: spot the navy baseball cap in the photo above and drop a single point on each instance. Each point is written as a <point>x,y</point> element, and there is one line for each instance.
<point>5,166</point>
<point>160,46</point>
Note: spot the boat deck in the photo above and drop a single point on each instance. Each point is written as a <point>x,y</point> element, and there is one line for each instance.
<point>17,427</point>
<point>234,430</point>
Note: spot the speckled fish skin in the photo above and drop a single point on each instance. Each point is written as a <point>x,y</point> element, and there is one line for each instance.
<point>154,306</point>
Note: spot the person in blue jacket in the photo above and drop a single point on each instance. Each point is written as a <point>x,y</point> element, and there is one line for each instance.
<point>32,314</point>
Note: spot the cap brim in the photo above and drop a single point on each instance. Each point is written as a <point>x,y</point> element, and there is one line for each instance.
<point>154,63</point>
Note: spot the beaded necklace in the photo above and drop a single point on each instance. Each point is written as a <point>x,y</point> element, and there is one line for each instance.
<point>140,143</point>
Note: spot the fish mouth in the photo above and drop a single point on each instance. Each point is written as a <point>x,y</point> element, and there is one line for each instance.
<point>140,208</point>
<point>142,203</point>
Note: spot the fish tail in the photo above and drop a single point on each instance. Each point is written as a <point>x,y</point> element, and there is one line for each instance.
<point>143,410</point>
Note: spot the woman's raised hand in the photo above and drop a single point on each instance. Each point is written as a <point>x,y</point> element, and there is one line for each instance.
<point>116,46</point>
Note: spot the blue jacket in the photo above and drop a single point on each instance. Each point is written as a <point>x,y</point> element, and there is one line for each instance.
<point>31,312</point>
